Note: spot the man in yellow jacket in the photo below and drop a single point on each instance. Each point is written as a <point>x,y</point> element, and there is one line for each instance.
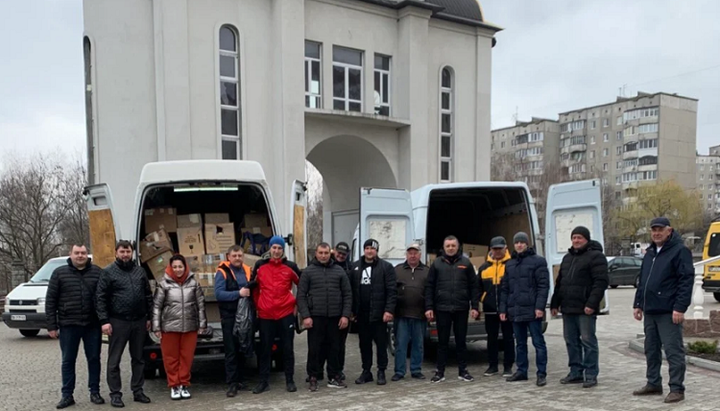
<point>491,272</point>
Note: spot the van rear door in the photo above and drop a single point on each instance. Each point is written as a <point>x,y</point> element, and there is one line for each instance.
<point>568,206</point>
<point>386,215</point>
<point>298,224</point>
<point>104,231</point>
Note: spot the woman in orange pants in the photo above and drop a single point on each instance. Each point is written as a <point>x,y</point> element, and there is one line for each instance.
<point>178,316</point>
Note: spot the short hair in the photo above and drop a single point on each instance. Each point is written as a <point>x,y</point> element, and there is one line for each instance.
<point>124,244</point>
<point>451,238</point>
<point>178,257</point>
<point>79,246</point>
<point>323,245</point>
<point>235,248</point>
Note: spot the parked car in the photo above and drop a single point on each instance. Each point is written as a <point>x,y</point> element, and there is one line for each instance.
<point>624,270</point>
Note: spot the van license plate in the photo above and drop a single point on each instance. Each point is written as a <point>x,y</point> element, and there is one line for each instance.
<point>18,318</point>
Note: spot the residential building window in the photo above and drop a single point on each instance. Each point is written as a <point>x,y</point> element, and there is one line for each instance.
<point>631,146</point>
<point>648,175</point>
<point>617,193</point>
<point>382,85</point>
<point>617,179</point>
<point>702,177</point>
<point>447,126</point>
<point>618,135</point>
<point>502,144</point>
<point>606,122</point>
<point>619,120</point>
<point>592,139</point>
<point>618,165</point>
<point>592,168</point>
<point>536,136</point>
<point>313,76</point>
<point>648,160</point>
<point>605,152</point>
<point>230,113</point>
<point>592,154</point>
<point>605,166</point>
<point>605,138</point>
<point>647,128</point>
<point>618,150</point>
<point>630,163</point>
<point>347,79</point>
<point>640,113</point>
<point>592,125</point>
<point>628,177</point>
<point>652,143</point>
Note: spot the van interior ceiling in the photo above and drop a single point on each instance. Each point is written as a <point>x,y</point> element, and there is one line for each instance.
<point>476,215</point>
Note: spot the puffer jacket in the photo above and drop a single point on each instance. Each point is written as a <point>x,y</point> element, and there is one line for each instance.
<point>582,280</point>
<point>324,291</point>
<point>383,283</point>
<point>491,274</point>
<point>123,293</point>
<point>525,286</point>
<point>452,285</point>
<point>178,307</point>
<point>666,278</point>
<point>70,297</point>
<point>271,287</point>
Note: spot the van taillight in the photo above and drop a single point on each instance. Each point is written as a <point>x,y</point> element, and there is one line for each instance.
<point>153,356</point>
<point>434,332</point>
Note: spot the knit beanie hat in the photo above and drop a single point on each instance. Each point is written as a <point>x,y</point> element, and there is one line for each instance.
<point>371,243</point>
<point>276,239</point>
<point>521,237</point>
<point>583,231</point>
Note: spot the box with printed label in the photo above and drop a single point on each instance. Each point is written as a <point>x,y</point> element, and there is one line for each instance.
<point>164,218</point>
<point>158,264</point>
<point>219,237</point>
<point>154,244</point>
<point>190,241</point>
<point>189,220</point>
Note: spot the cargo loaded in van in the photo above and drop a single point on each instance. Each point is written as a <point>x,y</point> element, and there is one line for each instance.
<point>475,212</point>
<point>199,209</point>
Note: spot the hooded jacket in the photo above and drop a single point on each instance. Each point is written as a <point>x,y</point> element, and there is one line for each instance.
<point>271,285</point>
<point>666,278</point>
<point>324,291</point>
<point>525,286</point>
<point>582,280</point>
<point>491,274</point>
<point>452,285</point>
<point>179,304</point>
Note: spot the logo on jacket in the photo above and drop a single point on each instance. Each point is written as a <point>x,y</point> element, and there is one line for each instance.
<point>366,275</point>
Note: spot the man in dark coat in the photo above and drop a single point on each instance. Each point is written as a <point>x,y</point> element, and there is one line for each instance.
<point>374,296</point>
<point>664,294</point>
<point>579,288</point>
<point>523,297</point>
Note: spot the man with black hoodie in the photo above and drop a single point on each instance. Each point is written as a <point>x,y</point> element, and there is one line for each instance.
<point>124,307</point>
<point>579,288</point>
<point>374,288</point>
<point>666,283</point>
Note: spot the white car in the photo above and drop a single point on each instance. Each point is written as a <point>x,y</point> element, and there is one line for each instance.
<point>25,305</point>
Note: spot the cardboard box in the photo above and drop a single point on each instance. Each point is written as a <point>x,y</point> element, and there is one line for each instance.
<point>255,220</point>
<point>219,237</point>
<point>154,244</point>
<point>164,218</point>
<point>205,279</point>
<point>190,241</point>
<point>251,259</point>
<point>476,253</point>
<point>210,263</point>
<point>194,262</point>
<point>431,257</point>
<point>158,264</point>
<point>216,218</point>
<point>189,220</point>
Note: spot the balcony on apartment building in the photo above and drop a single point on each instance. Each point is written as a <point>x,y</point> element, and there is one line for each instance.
<point>630,152</point>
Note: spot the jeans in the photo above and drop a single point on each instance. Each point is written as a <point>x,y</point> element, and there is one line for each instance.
<point>324,344</point>
<point>521,331</point>
<point>234,361</point>
<point>70,338</point>
<point>492,327</point>
<point>409,330</point>
<point>124,332</point>
<point>660,331</point>
<point>457,321</point>
<point>284,329</point>
<point>582,345</point>
<point>368,332</point>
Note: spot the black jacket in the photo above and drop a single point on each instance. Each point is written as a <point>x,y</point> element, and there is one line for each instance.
<point>123,293</point>
<point>452,285</point>
<point>666,278</point>
<point>383,295</point>
<point>491,274</point>
<point>525,286</point>
<point>411,290</point>
<point>582,280</point>
<point>324,291</point>
<point>70,298</point>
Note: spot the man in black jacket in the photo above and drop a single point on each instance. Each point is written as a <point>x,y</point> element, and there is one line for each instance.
<point>666,282</point>
<point>579,288</point>
<point>374,288</point>
<point>324,300</point>
<point>451,290</point>
<point>71,316</point>
<point>124,307</point>
<point>342,258</point>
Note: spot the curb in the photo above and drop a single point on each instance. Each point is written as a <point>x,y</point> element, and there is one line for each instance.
<point>639,346</point>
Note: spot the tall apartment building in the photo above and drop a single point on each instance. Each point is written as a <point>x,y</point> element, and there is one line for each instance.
<point>708,180</point>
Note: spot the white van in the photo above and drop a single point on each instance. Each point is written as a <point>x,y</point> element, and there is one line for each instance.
<point>196,187</point>
<point>475,212</point>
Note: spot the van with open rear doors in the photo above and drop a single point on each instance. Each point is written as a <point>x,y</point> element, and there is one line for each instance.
<point>197,208</point>
<point>475,212</point>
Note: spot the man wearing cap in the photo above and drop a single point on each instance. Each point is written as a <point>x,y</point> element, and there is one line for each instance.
<point>579,288</point>
<point>374,289</point>
<point>523,296</point>
<point>451,293</point>
<point>271,287</point>
<point>491,273</point>
<point>410,313</point>
<point>666,282</point>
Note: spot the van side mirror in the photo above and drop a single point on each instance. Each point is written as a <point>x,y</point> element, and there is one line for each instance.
<point>289,240</point>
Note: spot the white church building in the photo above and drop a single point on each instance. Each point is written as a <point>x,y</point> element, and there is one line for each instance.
<point>382,93</point>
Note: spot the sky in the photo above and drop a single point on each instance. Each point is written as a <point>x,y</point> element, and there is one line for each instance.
<point>552,56</point>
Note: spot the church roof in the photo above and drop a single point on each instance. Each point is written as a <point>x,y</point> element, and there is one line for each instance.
<point>467,12</point>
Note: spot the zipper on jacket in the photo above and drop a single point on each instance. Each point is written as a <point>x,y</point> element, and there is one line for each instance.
<point>497,281</point>
<point>648,280</point>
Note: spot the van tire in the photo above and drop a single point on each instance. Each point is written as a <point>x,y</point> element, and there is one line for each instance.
<point>29,333</point>
<point>717,297</point>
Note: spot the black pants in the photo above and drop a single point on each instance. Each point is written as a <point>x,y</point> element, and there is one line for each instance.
<point>661,332</point>
<point>284,329</point>
<point>457,321</point>
<point>70,338</point>
<point>124,332</point>
<point>493,326</point>
<point>324,343</point>
<point>234,361</point>
<point>368,332</point>
<point>341,355</point>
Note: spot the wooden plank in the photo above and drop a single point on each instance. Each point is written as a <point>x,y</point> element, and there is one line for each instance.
<point>102,237</point>
<point>299,236</point>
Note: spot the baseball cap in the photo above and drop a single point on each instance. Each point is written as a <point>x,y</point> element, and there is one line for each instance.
<point>660,222</point>
<point>498,242</point>
<point>414,246</point>
<point>342,247</point>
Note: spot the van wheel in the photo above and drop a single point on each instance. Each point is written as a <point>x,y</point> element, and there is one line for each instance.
<point>613,286</point>
<point>717,297</point>
<point>29,333</point>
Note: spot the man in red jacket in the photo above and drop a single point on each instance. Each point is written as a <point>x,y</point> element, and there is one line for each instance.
<point>271,284</point>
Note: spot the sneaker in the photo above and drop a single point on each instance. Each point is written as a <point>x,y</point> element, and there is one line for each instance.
<point>336,383</point>
<point>141,397</point>
<point>418,375</point>
<point>261,387</point>
<point>541,381</point>
<point>185,393</point>
<point>65,402</point>
<point>232,390</point>
<point>571,379</point>
<point>465,376</point>
<point>365,377</point>
<point>590,383</point>
<point>648,390</point>
<point>438,377</point>
<point>491,371</point>
<point>517,377</point>
<point>95,398</point>
<point>116,401</point>
<point>313,384</point>
<point>175,393</point>
<point>381,377</point>
<point>290,386</point>
<point>507,372</point>
<point>397,377</point>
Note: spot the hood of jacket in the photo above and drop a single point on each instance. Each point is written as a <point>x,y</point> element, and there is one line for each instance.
<point>169,273</point>
<point>674,240</point>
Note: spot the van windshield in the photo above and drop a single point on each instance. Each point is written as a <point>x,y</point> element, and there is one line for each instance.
<point>714,245</point>
<point>44,273</point>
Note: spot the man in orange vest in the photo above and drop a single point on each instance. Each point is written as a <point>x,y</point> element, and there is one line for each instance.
<point>231,282</point>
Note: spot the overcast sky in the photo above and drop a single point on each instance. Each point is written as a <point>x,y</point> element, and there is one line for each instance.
<point>553,56</point>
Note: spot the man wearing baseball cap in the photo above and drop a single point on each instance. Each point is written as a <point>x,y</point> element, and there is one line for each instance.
<point>666,282</point>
